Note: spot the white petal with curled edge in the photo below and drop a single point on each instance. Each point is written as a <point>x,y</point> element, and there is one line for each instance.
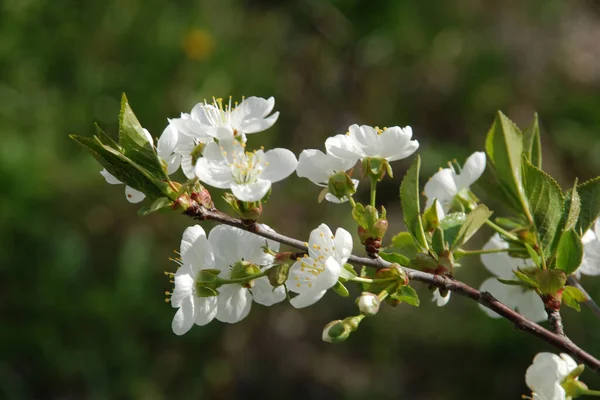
<point>234,302</point>
<point>265,294</point>
<point>199,113</point>
<point>184,317</point>
<point>188,126</point>
<point>281,164</point>
<point>396,143</point>
<point>184,285</point>
<point>252,191</point>
<point>307,298</point>
<point>471,170</point>
<point>110,178</point>
<point>341,146</point>
<point>256,107</point>
<point>343,245</point>
<point>134,196</point>
<point>167,141</point>
<point>440,300</point>
<point>205,309</point>
<point>366,140</point>
<point>256,125</point>
<point>313,165</point>
<point>542,377</point>
<point>216,174</point>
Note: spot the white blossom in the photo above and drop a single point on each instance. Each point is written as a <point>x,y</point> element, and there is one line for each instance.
<point>545,375</point>
<point>445,184</point>
<point>232,245</point>
<point>180,150</point>
<point>590,265</point>
<point>318,167</point>
<point>440,300</point>
<point>227,121</point>
<point>224,247</point>
<point>249,175</point>
<point>525,301</point>
<point>365,141</point>
<point>319,270</point>
<point>132,195</point>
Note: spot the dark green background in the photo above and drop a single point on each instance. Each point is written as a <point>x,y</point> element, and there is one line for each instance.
<point>82,308</point>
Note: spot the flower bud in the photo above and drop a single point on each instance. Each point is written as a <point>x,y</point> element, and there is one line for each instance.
<point>250,211</point>
<point>340,185</point>
<point>243,269</point>
<point>336,331</point>
<point>182,203</point>
<point>368,303</point>
<point>202,197</point>
<point>278,274</point>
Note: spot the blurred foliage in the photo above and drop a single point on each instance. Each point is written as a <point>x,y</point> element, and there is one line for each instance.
<point>81,274</point>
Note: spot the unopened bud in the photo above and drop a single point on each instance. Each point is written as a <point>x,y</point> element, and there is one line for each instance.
<point>278,274</point>
<point>250,211</point>
<point>368,303</point>
<point>340,185</point>
<point>182,203</point>
<point>336,331</point>
<point>203,197</point>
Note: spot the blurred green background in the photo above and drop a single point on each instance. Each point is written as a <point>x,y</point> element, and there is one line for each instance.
<point>81,289</point>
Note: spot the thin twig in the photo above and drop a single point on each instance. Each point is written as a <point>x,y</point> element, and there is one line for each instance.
<point>443,282</point>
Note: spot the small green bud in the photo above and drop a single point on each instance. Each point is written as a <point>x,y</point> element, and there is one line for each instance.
<point>446,260</point>
<point>243,269</point>
<point>182,203</point>
<point>250,210</point>
<point>202,196</point>
<point>340,185</point>
<point>336,332</point>
<point>340,289</point>
<point>207,282</point>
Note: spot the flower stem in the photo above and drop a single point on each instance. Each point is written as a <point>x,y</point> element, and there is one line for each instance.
<point>476,252</point>
<point>386,292</point>
<point>371,281</point>
<point>351,201</point>
<point>591,392</point>
<point>244,279</point>
<point>373,190</point>
<point>502,231</point>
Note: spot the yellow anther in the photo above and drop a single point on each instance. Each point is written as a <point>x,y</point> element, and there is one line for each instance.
<point>297,285</point>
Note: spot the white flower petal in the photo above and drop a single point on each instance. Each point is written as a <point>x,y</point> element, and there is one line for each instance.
<point>471,170</point>
<point>441,186</point>
<point>184,285</point>
<point>395,143</point>
<point>265,294</point>
<point>187,166</point>
<point>531,306</point>
<point>501,264</point>
<point>543,377</point>
<point>313,165</point>
<point>195,249</point>
<point>328,278</point>
<point>256,107</point>
<point>216,174</point>
<point>590,264</point>
<point>307,298</point>
<point>190,127</point>
<point>341,146</point>
<point>231,245</point>
<point>365,140</point>
<point>500,291</point>
<point>281,163</point>
<point>440,300</point>
<point>133,196</point>
<point>343,245</point>
<point>255,125</point>
<point>234,302</point>
<point>250,192</point>
<point>184,317</point>
<point>110,179</point>
<point>205,310</point>
<point>167,142</point>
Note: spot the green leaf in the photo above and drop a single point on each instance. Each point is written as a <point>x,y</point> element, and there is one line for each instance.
<point>535,257</point>
<point>524,276</point>
<point>545,200</point>
<point>572,296</point>
<point>572,208</point>
<point>510,282</point>
<point>124,169</point>
<point>431,220</point>
<point>340,289</point>
<point>570,252</point>
<point>589,192</point>
<point>452,224</point>
<point>504,147</point>
<point>409,198</point>
<point>475,220</point>
<point>532,144</point>
<point>550,280</point>
<point>135,143</point>
<point>437,240</point>
<point>395,258</point>
<point>162,203</point>
<point>404,244</point>
<point>408,295</point>
<point>350,269</point>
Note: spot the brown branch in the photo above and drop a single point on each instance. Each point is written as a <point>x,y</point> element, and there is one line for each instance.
<point>555,321</point>
<point>443,282</point>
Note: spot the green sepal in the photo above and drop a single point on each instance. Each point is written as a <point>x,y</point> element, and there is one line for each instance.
<point>551,281</point>
<point>205,291</point>
<point>350,269</point>
<point>409,199</point>
<point>406,294</point>
<point>278,274</point>
<point>475,220</point>
<point>535,257</point>
<point>510,282</point>
<point>340,289</point>
<point>572,296</point>
<point>570,252</point>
